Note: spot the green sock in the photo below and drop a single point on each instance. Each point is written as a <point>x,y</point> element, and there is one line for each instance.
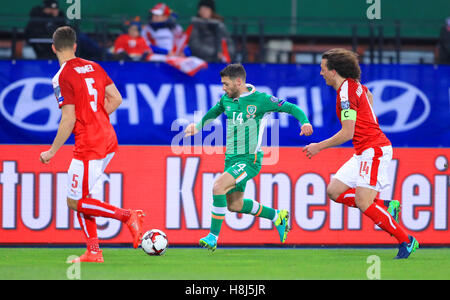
<point>218,213</point>
<point>254,208</point>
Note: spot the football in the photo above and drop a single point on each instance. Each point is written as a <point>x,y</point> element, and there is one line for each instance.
<point>154,242</point>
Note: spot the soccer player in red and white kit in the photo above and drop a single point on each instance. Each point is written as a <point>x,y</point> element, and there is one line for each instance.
<point>359,180</point>
<point>86,96</point>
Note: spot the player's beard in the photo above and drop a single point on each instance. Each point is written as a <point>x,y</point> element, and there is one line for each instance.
<point>233,92</point>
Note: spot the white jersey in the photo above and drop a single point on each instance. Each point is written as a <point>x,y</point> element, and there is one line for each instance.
<point>164,37</point>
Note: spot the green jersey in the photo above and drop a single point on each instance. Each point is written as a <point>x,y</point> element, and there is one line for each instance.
<point>247,119</point>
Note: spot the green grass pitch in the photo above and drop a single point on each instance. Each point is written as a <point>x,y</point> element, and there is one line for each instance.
<point>227,264</point>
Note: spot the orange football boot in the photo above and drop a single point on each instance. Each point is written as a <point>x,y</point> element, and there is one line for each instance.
<point>96,257</point>
<point>135,224</point>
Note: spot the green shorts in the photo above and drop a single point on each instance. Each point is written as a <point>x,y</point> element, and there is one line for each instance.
<point>243,168</point>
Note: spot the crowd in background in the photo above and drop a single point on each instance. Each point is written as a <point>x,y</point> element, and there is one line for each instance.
<point>206,37</point>
<point>159,37</point>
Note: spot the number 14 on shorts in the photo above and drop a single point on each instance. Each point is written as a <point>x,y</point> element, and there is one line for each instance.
<point>364,168</point>
<point>239,169</point>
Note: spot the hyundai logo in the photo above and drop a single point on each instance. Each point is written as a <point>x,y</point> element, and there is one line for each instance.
<point>410,105</point>
<point>20,109</point>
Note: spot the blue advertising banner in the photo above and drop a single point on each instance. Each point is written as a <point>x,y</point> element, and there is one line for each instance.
<point>411,101</point>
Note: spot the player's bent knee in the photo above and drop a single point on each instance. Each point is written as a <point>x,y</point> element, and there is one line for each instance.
<point>362,203</point>
<point>231,208</point>
<point>234,206</point>
<point>223,185</point>
<point>72,204</point>
<point>218,188</point>
<point>332,193</point>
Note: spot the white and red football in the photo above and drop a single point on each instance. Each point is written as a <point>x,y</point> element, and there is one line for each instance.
<point>154,242</point>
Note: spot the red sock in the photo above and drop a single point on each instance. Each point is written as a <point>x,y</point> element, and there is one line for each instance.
<point>385,221</point>
<point>89,227</point>
<point>348,198</point>
<point>94,207</point>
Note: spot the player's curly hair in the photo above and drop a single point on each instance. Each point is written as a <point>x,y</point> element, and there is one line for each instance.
<point>344,61</point>
<point>64,37</point>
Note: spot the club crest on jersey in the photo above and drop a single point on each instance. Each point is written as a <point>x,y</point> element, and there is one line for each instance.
<point>251,109</point>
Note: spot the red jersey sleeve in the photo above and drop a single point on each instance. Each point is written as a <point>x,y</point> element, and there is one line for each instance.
<point>67,91</point>
<point>365,89</point>
<point>108,80</point>
<point>347,96</point>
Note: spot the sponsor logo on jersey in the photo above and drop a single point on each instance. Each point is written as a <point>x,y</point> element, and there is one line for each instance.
<point>359,90</point>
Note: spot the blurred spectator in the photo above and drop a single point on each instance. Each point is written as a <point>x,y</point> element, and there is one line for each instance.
<point>43,22</point>
<point>163,33</point>
<point>209,38</point>
<point>131,45</point>
<point>444,43</point>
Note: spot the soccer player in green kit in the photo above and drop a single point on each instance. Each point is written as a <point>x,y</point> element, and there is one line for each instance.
<point>246,110</point>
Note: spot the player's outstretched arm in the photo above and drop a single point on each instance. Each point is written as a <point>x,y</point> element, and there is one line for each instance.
<point>113,98</point>
<point>306,129</point>
<point>65,128</point>
<point>212,114</point>
<point>299,114</point>
<point>191,129</point>
<point>342,136</point>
